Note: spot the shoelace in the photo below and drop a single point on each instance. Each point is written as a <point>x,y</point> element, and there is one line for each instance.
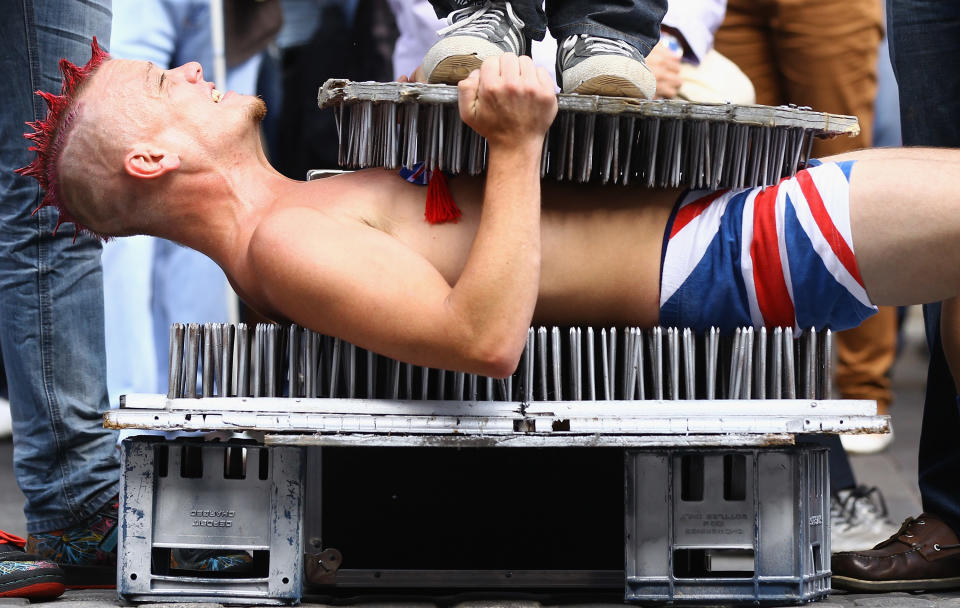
<point>482,21</point>
<point>861,495</point>
<point>598,46</point>
<point>12,539</point>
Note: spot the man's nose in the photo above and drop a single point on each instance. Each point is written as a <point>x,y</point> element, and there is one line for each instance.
<point>192,72</point>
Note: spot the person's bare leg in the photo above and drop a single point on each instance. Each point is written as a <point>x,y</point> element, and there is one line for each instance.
<point>905,222</point>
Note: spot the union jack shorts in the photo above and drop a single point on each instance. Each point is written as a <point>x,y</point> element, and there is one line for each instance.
<point>775,256</point>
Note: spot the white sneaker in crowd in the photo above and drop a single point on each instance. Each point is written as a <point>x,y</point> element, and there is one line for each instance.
<point>6,422</point>
<point>858,519</point>
<point>475,33</point>
<point>872,443</point>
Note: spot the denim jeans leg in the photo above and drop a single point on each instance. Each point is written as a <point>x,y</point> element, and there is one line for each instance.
<point>924,38</point>
<point>634,21</point>
<point>51,298</point>
<point>529,11</point>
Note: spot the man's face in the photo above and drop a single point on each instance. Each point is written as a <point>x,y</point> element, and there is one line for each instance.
<point>155,100</point>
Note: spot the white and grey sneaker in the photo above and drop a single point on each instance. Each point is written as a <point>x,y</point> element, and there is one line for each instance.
<point>475,33</point>
<point>858,519</point>
<point>592,65</point>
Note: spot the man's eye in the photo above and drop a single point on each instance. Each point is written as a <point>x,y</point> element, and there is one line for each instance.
<point>162,77</point>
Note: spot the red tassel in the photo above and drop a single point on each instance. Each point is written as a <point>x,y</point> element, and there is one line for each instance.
<point>441,207</point>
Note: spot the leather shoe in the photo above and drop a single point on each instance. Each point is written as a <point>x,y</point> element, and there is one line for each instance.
<point>923,554</point>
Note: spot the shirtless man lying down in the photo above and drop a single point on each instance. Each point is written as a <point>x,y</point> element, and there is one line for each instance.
<point>131,148</point>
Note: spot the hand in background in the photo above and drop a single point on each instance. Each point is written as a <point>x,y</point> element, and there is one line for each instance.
<point>665,65</point>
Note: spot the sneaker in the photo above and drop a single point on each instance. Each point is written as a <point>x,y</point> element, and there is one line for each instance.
<point>872,443</point>
<point>26,575</point>
<point>184,561</point>
<point>592,65</point>
<point>475,33</point>
<point>87,553</point>
<point>858,519</point>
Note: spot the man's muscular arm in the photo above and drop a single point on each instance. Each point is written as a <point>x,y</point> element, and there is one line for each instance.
<point>511,103</point>
<point>365,286</point>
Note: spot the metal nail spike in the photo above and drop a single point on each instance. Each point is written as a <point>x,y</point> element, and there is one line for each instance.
<point>629,374</point>
<point>673,351</point>
<point>591,366</point>
<point>612,356</point>
<point>555,363</point>
<point>441,384</point>
<point>395,380</point>
<point>228,338</point>
<point>529,354</point>
<point>776,350</point>
<point>542,361</point>
<point>293,362</point>
<point>747,373</point>
<point>656,361</point>
<point>408,384</point>
<point>270,367</point>
<point>712,351</point>
<point>256,354</point>
<point>424,382</point>
<point>605,371</point>
<point>371,375</point>
<point>790,383</point>
<point>243,361</point>
<point>826,366</point>
<point>351,369</point>
<point>689,364</point>
<point>736,365</point>
<point>472,393</point>
<point>335,354</point>
<point>574,366</point>
<point>488,385</point>
<point>175,361</point>
<point>458,382</point>
<point>760,377</point>
<point>810,363</point>
<point>217,335</point>
<point>192,357</point>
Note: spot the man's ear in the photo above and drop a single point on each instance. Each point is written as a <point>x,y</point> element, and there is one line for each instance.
<point>147,162</point>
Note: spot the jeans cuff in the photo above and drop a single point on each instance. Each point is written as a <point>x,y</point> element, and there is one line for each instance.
<point>592,29</point>
<point>60,523</point>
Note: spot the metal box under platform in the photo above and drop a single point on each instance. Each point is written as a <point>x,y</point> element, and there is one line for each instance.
<point>426,479</point>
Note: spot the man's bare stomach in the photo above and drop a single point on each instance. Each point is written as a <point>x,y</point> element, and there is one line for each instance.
<point>601,246</point>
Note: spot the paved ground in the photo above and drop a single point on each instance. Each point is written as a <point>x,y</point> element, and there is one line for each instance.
<point>893,471</point>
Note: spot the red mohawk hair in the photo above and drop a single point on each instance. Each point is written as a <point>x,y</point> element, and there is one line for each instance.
<point>49,134</point>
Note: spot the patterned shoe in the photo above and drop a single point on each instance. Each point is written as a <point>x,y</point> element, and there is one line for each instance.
<point>592,65</point>
<point>26,575</point>
<point>87,553</point>
<point>475,33</point>
<point>211,561</point>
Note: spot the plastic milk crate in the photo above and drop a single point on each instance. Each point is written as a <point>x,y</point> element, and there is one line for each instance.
<point>731,525</point>
<point>224,496</point>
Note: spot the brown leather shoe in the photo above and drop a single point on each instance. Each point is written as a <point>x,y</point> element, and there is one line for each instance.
<point>923,554</point>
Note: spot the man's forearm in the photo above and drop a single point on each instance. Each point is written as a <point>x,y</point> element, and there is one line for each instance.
<point>497,291</point>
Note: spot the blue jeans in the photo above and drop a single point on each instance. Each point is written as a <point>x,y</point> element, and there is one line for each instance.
<point>922,36</point>
<point>634,21</point>
<point>51,294</point>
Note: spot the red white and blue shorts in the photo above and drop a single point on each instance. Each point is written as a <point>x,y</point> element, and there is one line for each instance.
<point>780,256</point>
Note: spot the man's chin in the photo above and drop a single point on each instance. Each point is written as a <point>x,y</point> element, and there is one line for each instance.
<point>257,110</point>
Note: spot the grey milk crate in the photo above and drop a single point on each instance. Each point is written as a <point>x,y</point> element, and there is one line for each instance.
<point>204,495</point>
<point>737,525</point>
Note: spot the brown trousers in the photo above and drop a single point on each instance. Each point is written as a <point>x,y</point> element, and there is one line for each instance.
<point>822,54</point>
